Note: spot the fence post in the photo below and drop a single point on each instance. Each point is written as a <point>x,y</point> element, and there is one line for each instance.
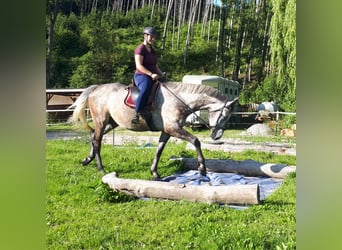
<point>277,118</point>
<point>113,138</point>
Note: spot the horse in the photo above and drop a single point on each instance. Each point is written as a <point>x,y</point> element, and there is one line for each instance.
<point>264,110</point>
<point>173,102</point>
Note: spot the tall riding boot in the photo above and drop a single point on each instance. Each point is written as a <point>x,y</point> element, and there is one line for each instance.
<point>135,119</point>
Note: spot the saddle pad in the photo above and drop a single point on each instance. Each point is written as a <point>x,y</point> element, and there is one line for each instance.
<point>150,100</point>
<point>129,100</point>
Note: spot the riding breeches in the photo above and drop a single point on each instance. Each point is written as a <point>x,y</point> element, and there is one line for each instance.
<point>144,84</point>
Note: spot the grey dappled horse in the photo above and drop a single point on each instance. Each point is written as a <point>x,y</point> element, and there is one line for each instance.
<point>173,103</point>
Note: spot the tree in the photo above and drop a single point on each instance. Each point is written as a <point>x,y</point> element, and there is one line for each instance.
<point>93,41</point>
<point>239,39</point>
<point>191,20</point>
<point>266,15</point>
<point>52,10</point>
<point>165,24</point>
<point>283,48</point>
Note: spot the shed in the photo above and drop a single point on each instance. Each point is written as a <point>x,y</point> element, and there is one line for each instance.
<point>229,87</point>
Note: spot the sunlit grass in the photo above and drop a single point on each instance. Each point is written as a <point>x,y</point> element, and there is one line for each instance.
<point>81,213</point>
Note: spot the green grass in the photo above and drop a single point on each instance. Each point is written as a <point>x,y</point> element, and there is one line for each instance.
<point>83,213</point>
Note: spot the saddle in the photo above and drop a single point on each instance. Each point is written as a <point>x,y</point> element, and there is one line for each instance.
<point>133,93</point>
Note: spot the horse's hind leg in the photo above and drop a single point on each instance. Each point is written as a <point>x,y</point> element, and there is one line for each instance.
<point>97,150</point>
<point>95,142</point>
<point>100,129</point>
<point>94,150</point>
<point>91,156</point>
<point>111,125</point>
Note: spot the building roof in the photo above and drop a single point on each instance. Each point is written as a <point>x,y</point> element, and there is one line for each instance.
<point>199,79</point>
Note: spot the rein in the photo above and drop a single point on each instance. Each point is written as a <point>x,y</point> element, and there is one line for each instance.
<point>192,111</point>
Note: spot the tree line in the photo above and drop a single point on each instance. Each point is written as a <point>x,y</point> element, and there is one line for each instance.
<point>251,41</point>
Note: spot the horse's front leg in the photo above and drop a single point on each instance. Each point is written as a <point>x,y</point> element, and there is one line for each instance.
<point>184,135</point>
<point>163,139</point>
<point>200,158</point>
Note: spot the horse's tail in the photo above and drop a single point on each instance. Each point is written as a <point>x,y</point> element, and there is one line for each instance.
<point>79,106</point>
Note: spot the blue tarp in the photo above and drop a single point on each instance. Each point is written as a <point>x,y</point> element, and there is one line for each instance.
<point>267,185</point>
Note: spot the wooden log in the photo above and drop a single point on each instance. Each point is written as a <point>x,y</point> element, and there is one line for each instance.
<point>229,194</point>
<point>247,167</point>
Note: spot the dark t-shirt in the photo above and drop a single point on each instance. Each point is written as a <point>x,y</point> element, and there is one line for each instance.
<point>150,58</point>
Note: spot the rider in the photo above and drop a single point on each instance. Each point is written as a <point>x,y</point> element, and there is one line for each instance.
<point>147,69</point>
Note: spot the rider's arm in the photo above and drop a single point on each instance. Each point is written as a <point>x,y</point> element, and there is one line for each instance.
<point>138,64</point>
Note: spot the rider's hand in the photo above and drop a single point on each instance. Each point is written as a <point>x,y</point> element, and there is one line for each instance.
<point>154,76</point>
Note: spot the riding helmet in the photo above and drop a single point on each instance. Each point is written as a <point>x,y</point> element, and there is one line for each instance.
<point>150,31</point>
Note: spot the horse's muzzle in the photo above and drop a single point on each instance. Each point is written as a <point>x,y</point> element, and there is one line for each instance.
<point>216,133</point>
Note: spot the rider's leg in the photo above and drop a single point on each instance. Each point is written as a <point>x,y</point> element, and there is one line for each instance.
<point>144,84</point>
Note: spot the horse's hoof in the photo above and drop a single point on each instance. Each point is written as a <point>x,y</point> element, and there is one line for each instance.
<point>85,161</point>
<point>202,172</point>
<point>156,177</point>
<point>101,169</point>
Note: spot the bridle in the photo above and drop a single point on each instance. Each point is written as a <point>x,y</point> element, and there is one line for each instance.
<point>194,112</point>
<point>221,116</point>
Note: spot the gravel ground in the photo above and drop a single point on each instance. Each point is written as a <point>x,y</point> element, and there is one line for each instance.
<point>229,145</point>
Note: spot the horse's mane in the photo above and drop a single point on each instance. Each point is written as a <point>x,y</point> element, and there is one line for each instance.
<point>197,89</point>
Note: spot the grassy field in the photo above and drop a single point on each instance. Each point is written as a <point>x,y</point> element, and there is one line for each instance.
<point>83,213</point>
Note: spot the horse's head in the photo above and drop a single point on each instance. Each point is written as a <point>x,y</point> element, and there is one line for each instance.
<point>218,119</point>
